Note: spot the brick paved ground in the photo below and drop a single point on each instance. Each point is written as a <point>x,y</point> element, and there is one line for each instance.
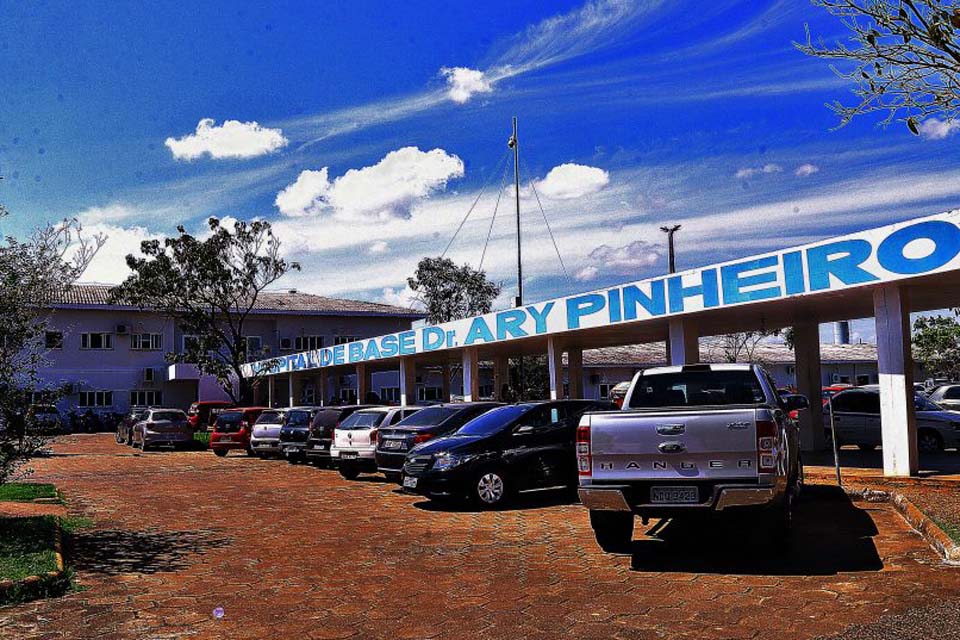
<point>294,552</point>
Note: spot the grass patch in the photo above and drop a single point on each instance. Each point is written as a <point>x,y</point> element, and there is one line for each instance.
<point>952,529</point>
<point>26,547</point>
<point>27,492</point>
<point>72,524</point>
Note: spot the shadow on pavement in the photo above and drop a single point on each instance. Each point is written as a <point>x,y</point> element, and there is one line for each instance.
<point>931,464</point>
<point>830,535</point>
<point>117,551</point>
<point>524,501</point>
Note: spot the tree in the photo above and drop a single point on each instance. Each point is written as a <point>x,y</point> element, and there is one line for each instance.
<point>450,292</point>
<point>936,346</point>
<point>209,287</point>
<point>904,61</point>
<point>34,274</point>
<point>742,346</point>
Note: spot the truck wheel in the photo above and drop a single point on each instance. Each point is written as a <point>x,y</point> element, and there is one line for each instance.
<point>219,452</point>
<point>613,530</point>
<point>349,472</point>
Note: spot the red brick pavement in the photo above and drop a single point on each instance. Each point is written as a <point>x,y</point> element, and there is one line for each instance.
<point>297,552</point>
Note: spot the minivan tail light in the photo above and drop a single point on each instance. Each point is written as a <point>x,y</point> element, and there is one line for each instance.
<point>766,445</point>
<point>584,457</point>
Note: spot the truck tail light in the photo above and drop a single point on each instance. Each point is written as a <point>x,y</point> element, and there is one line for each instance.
<point>584,458</point>
<point>766,445</point>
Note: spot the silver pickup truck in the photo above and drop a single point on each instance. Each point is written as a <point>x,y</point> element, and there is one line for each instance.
<point>691,440</point>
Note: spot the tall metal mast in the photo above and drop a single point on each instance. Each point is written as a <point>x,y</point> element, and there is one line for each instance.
<point>514,144</point>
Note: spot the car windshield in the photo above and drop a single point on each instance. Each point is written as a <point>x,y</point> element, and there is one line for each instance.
<point>270,417</point>
<point>494,420</point>
<point>298,418</point>
<point>697,388</point>
<point>171,416</point>
<point>429,417</point>
<point>363,420</point>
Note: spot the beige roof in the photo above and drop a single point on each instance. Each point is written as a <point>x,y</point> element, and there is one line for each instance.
<point>96,295</point>
<point>654,353</point>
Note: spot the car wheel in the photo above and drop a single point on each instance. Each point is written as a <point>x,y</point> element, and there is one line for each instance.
<point>219,452</point>
<point>929,441</point>
<point>349,472</point>
<point>866,447</point>
<point>490,488</point>
<point>118,438</point>
<point>613,530</point>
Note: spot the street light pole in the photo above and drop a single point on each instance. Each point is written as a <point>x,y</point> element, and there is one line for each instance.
<point>670,254</point>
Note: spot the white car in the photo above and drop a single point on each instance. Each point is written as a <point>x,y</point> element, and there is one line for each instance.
<point>947,396</point>
<point>265,437</point>
<point>354,446</point>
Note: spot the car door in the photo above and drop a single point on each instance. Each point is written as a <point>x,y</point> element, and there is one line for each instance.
<point>847,420</point>
<point>531,439</point>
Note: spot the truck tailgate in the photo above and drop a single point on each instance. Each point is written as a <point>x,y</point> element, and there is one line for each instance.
<point>700,444</point>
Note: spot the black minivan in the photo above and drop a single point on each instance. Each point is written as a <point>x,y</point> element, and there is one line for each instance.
<point>508,449</point>
<point>426,424</point>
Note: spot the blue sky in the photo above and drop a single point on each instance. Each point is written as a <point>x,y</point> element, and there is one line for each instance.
<point>365,130</point>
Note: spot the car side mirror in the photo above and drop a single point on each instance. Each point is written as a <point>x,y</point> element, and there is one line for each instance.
<point>523,430</point>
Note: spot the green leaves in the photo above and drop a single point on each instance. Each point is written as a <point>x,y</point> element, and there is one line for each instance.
<point>936,346</point>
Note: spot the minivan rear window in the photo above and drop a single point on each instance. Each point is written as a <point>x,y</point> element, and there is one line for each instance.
<point>270,417</point>
<point>696,389</point>
<point>298,418</point>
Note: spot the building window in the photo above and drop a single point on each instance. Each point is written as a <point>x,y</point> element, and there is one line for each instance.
<point>146,341</point>
<point>100,341</point>
<point>53,339</point>
<point>604,390</point>
<point>390,395</point>
<point>146,398</point>
<point>286,344</point>
<point>429,394</point>
<point>91,399</point>
<point>190,343</point>
<point>345,339</point>
<point>253,344</point>
<point>348,396</point>
<point>308,343</point>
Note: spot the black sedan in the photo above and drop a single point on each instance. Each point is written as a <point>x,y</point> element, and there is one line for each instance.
<point>505,450</point>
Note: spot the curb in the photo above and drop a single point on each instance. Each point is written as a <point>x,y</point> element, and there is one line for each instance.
<point>31,582</point>
<point>931,532</point>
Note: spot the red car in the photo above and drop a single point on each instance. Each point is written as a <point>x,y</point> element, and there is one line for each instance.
<point>232,429</point>
<point>201,414</point>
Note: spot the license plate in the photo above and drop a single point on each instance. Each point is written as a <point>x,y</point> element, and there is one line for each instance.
<point>410,482</point>
<point>348,455</point>
<point>392,444</point>
<point>318,446</point>
<point>290,449</point>
<point>674,495</point>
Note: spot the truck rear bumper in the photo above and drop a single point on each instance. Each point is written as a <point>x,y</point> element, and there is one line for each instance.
<point>614,498</point>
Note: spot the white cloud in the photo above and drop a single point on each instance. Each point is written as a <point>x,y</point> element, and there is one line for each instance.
<point>109,213</point>
<point>587,274</point>
<point>463,83</point>
<point>571,180</point>
<point>627,258</point>
<point>111,221</point>
<point>382,191</point>
<point>749,172</point>
<point>401,297</point>
<point>232,139</point>
<point>378,247</point>
<point>805,170</point>
<point>934,129</point>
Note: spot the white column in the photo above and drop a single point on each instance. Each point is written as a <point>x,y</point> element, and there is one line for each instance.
<point>898,421</point>
<point>555,369</point>
<point>684,342</point>
<point>290,389</point>
<point>270,384</point>
<point>322,388</point>
<point>408,382</point>
<point>806,346</point>
<point>471,375</point>
<point>363,383</point>
<point>575,372</point>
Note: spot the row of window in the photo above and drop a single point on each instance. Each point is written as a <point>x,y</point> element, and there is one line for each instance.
<point>104,399</point>
<point>103,341</point>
